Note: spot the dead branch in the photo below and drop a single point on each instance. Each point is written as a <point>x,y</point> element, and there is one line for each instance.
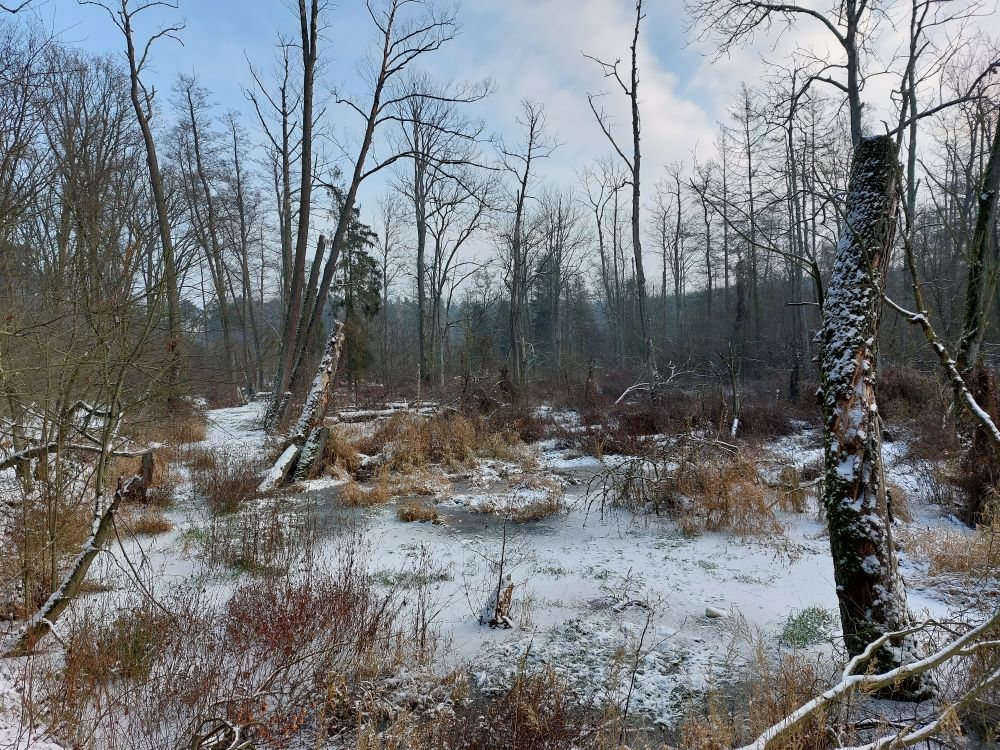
<point>24,638</point>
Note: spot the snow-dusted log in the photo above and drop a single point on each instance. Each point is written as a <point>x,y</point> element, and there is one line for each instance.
<point>55,446</point>
<point>312,449</point>
<point>869,586</point>
<point>306,438</point>
<point>281,470</point>
<point>24,638</point>
<point>318,400</point>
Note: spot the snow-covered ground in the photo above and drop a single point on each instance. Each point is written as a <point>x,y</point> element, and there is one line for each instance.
<point>588,587</point>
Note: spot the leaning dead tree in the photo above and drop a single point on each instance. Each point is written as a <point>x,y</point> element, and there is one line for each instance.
<point>24,638</point>
<point>309,436</point>
<point>869,586</point>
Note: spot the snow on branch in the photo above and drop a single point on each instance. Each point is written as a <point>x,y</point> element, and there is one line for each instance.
<point>962,393</point>
<point>24,638</point>
<point>869,683</point>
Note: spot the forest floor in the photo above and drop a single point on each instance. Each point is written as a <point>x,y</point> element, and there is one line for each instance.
<point>626,606</point>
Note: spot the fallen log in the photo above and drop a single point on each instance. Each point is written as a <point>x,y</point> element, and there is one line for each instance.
<point>303,446</point>
<point>24,639</point>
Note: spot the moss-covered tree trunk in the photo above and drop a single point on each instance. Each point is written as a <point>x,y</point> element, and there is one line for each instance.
<point>869,587</point>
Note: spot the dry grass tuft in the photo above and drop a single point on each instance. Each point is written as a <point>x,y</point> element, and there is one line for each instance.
<point>702,485</point>
<point>955,552</point>
<point>228,481</point>
<point>149,521</point>
<point>418,482</point>
<point>183,423</point>
<point>768,688</point>
<point>417,510</point>
<point>200,459</point>
<point>538,511</point>
<point>452,440</point>
<point>341,453</point>
<point>718,491</point>
<point>122,647</point>
<point>538,712</point>
<point>354,495</point>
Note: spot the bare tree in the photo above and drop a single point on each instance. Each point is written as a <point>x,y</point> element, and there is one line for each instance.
<point>122,15</point>
<point>407,29</point>
<point>633,162</point>
<point>519,162</point>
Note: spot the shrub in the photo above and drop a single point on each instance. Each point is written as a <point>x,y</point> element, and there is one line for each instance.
<point>810,627</point>
<point>765,418</point>
<point>339,452</point>
<point>183,422</point>
<point>417,510</point>
<point>702,485</point>
<point>148,522</point>
<point>354,495</point>
<point>288,660</point>
<point>453,440</point>
<point>954,552</point>
<point>904,393</point>
<point>229,482</point>
<point>718,491</point>
<point>538,510</point>
<point>521,421</point>
<point>764,689</point>
<point>124,646</point>
<point>537,712</point>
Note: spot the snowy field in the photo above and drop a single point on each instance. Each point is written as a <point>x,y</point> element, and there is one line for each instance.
<point>593,588</point>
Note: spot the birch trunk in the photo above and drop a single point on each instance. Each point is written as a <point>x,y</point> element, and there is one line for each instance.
<point>869,586</point>
<point>24,639</point>
<point>307,439</point>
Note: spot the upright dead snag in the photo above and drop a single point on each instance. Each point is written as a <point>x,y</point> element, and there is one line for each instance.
<point>869,587</point>
<point>309,436</point>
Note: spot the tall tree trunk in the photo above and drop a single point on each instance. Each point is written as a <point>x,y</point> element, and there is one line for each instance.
<point>859,515</point>
<point>981,285</point>
<point>291,334</point>
<point>217,263</point>
<point>170,282</point>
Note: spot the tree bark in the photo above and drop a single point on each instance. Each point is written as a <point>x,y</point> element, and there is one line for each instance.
<point>22,640</point>
<point>870,588</point>
<point>981,286</point>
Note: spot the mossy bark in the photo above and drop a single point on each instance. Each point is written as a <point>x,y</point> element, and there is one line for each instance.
<point>870,589</point>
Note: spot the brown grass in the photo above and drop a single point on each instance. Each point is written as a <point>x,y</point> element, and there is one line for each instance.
<point>200,459</point>
<point>340,453</point>
<point>417,510</point>
<point>905,393</point>
<point>182,423</point>
<point>768,688</point>
<point>323,647</point>
<point>953,552</point>
<point>123,647</point>
<point>538,511</point>
<point>720,492</point>
<point>230,480</point>
<point>452,440</point>
<point>417,482</point>
<point>538,711</point>
<point>354,495</point>
<point>149,521</point>
<point>165,478</point>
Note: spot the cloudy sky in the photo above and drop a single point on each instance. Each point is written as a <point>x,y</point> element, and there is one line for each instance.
<point>529,48</point>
